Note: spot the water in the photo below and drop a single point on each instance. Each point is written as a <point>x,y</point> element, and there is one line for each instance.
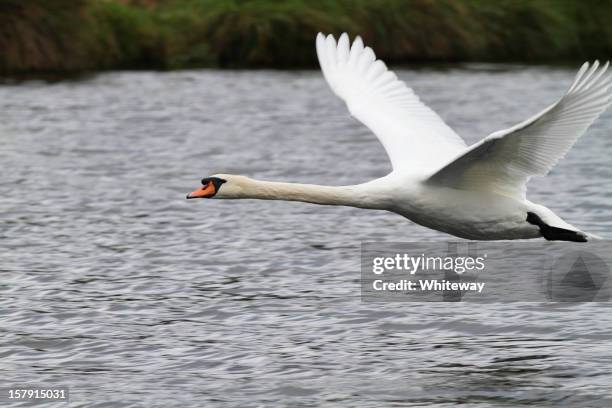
<point>115,285</point>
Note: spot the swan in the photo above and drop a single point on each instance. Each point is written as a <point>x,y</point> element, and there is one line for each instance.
<point>476,192</point>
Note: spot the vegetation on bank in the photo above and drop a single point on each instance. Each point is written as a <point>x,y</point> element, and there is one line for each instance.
<point>76,35</point>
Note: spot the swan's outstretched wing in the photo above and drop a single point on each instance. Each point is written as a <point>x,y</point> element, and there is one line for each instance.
<point>504,161</point>
<point>414,136</point>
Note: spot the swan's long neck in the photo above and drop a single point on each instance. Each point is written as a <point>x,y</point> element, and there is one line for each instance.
<point>355,196</point>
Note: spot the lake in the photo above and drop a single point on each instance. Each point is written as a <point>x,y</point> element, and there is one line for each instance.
<point>117,287</point>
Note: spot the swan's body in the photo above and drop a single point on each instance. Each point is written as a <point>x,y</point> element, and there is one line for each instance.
<point>476,192</point>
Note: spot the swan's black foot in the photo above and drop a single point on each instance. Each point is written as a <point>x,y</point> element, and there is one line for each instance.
<point>554,233</point>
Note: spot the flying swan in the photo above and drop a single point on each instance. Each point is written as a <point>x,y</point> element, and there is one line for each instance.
<point>476,192</point>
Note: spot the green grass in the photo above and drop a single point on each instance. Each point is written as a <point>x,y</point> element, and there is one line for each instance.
<point>76,35</point>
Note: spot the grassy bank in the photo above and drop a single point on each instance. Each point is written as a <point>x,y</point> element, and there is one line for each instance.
<point>75,35</point>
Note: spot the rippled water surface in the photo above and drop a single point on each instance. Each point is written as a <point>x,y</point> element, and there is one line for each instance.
<point>115,285</point>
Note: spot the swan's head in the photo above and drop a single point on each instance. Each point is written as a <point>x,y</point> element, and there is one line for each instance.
<point>220,186</point>
<point>210,188</point>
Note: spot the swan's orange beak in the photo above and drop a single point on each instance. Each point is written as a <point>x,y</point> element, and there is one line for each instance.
<point>206,191</point>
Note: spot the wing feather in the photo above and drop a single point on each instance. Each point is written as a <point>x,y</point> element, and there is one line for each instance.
<point>505,160</point>
<point>414,136</point>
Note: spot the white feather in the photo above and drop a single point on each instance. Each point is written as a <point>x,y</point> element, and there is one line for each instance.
<point>504,161</point>
<point>414,136</point>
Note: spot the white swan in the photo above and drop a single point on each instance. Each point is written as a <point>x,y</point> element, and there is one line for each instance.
<point>475,192</point>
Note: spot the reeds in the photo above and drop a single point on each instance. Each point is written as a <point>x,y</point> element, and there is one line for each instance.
<point>75,35</point>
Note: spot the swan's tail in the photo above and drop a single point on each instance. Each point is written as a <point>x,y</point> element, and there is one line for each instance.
<point>593,237</point>
<point>553,233</point>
